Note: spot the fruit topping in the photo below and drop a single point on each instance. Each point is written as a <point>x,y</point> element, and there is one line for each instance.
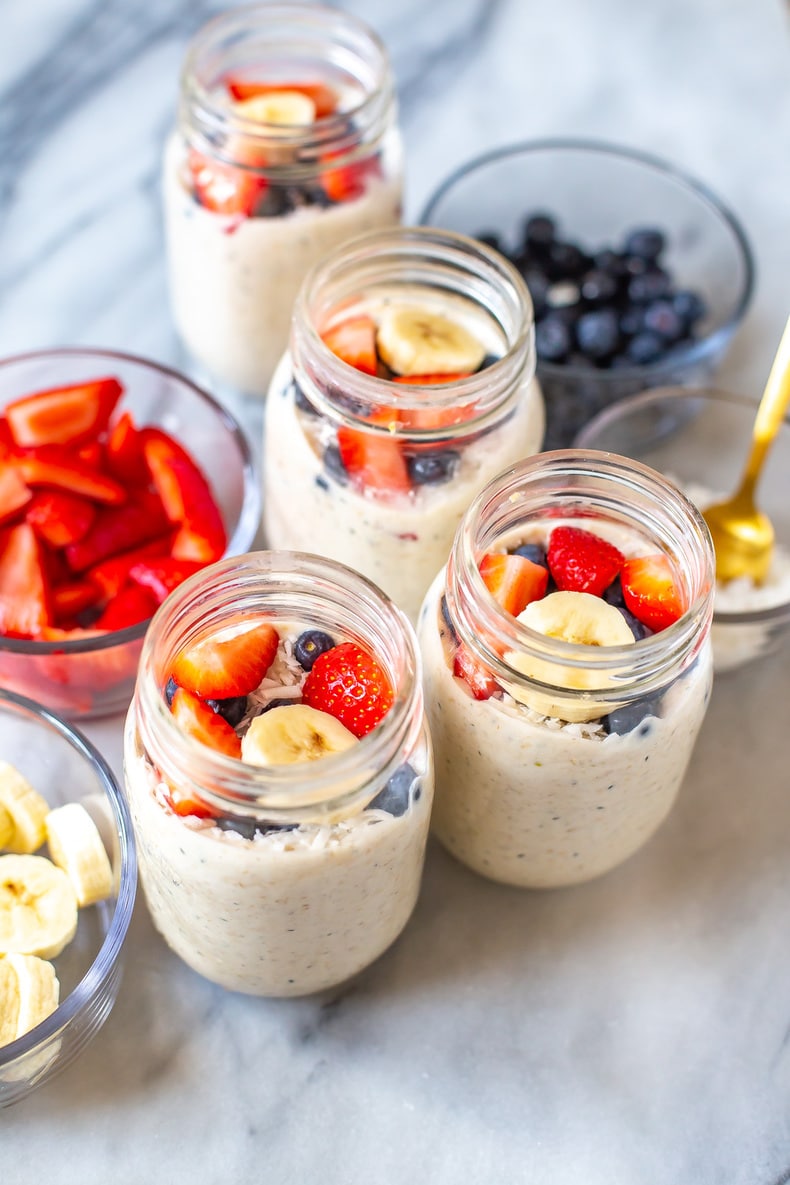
<point>233,708</point>
<point>24,810</point>
<point>348,683</point>
<point>580,561</point>
<point>479,681</point>
<point>160,576</point>
<point>651,591</point>
<point>14,493</point>
<point>24,590</point>
<point>131,606</point>
<point>354,341</point>
<point>75,846</point>
<point>219,668</point>
<point>186,497</point>
<point>322,97</point>
<point>60,518</point>
<point>292,734</point>
<point>397,794</point>
<point>579,617</point>
<point>29,993</point>
<point>431,468</point>
<point>374,460</point>
<point>54,467</point>
<point>415,341</point>
<point>195,718</point>
<point>309,645</point>
<point>63,415</point>
<point>280,108</point>
<point>38,907</point>
<point>513,580</point>
<point>224,188</point>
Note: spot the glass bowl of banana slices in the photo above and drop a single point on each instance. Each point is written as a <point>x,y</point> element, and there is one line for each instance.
<point>68,873</point>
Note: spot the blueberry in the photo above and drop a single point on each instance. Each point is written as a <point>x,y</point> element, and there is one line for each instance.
<point>625,719</point>
<point>644,349</point>
<point>277,703</point>
<point>309,645</point>
<point>170,689</point>
<point>431,468</point>
<point>274,203</point>
<point>610,262</point>
<point>267,828</point>
<point>613,595</point>
<point>689,306</point>
<point>632,320</point>
<point>566,261</point>
<point>562,295</point>
<point>532,551</point>
<point>489,360</point>
<point>651,285</point>
<point>448,621</point>
<point>538,287</point>
<point>231,709</point>
<point>637,628</point>
<point>396,795</point>
<point>244,827</point>
<point>539,232</point>
<point>598,287</point>
<point>300,197</point>
<point>662,317</point>
<point>645,241</point>
<point>598,333</point>
<point>301,401</point>
<point>552,339</point>
<point>333,463</point>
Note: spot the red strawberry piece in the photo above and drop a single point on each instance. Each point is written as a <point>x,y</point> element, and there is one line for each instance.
<point>91,454</point>
<point>112,574</point>
<point>131,606</point>
<point>374,460</point>
<point>58,469</point>
<point>580,561</point>
<point>198,720</point>
<point>432,417</point>
<point>479,681</point>
<point>513,581</point>
<point>60,518</point>
<point>63,415</point>
<point>350,685</point>
<point>350,181</point>
<point>354,341</point>
<point>324,98</point>
<point>24,593</point>
<point>223,188</point>
<point>74,597</point>
<point>14,493</point>
<point>220,668</point>
<point>187,498</point>
<point>124,452</point>
<point>184,807</point>
<point>651,591</point>
<point>7,445</point>
<point>118,529</point>
<point>161,576</point>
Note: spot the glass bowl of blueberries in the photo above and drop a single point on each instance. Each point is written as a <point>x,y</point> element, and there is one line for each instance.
<point>639,275</point>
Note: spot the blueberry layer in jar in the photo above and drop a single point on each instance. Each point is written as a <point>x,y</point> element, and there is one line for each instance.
<point>567,667</point>
<point>409,383</point>
<point>279,773</point>
<point>287,145</point>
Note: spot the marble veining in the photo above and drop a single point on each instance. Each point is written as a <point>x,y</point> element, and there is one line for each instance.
<point>635,1030</point>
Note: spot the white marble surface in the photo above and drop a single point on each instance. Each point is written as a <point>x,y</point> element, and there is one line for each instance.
<point>634,1030</point>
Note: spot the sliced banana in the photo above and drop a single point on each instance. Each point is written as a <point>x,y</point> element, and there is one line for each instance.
<point>293,733</point>
<point>29,993</point>
<point>281,109</point>
<point>75,846</point>
<point>6,828</point>
<point>26,808</point>
<point>412,340</point>
<point>574,617</point>
<point>38,907</point>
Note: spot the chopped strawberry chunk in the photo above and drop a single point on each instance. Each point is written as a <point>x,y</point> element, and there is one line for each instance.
<point>131,606</point>
<point>223,188</point>
<point>24,594</point>
<point>74,597</point>
<point>354,341</point>
<point>14,493</point>
<point>651,591</point>
<point>91,454</point>
<point>161,576</point>
<point>112,574</point>
<point>350,181</point>
<point>479,681</point>
<point>118,529</point>
<point>220,668</point>
<point>374,460</point>
<point>63,415</point>
<point>7,445</point>
<point>184,807</point>
<point>186,497</point>
<point>323,96</point>
<point>60,518</point>
<point>58,469</point>
<point>580,561</point>
<point>350,685</point>
<point>124,452</point>
<point>513,581</point>
<point>198,720</point>
<point>433,417</point>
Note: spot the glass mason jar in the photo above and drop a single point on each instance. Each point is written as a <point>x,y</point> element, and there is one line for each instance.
<point>566,770</point>
<point>303,874</point>
<point>253,201</point>
<point>425,450</point>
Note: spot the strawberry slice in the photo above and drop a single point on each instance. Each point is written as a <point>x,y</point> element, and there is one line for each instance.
<point>200,721</point>
<point>131,606</point>
<point>74,597</point>
<point>161,576</point>
<point>219,668</point>
<point>223,188</point>
<point>350,181</point>
<point>118,529</point>
<point>349,684</point>
<point>651,591</point>
<point>375,461</point>
<point>354,341</point>
<point>24,594</point>
<point>186,497</point>
<point>513,580</point>
<point>323,96</point>
<point>63,415</point>
<point>433,417</point>
<point>479,681</point>
<point>580,561</point>
<point>124,452</point>
<point>60,518</point>
<point>91,454</point>
<point>184,807</point>
<point>110,575</point>
<point>7,445</point>
<point>56,468</point>
<point>14,493</point>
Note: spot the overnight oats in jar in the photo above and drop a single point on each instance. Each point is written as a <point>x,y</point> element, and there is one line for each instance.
<point>279,773</point>
<point>286,146</point>
<point>409,383</point>
<point>567,667</point>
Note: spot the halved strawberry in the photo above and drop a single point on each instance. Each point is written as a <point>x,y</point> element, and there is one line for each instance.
<point>186,497</point>
<point>131,606</point>
<point>651,591</point>
<point>112,574</point>
<point>63,415</point>
<point>349,684</point>
<point>24,594</point>
<point>323,96</point>
<point>198,720</point>
<point>223,188</point>
<point>219,668</point>
<point>479,681</point>
<point>513,580</point>
<point>581,561</point>
<point>118,529</point>
<point>161,576</point>
<point>14,493</point>
<point>354,341</point>
<point>60,518</point>
<point>124,451</point>
<point>58,469</point>
<point>374,460</point>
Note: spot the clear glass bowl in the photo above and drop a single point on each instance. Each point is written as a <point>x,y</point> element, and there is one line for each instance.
<point>95,676</point>
<point>700,438</point>
<point>598,192</point>
<point>65,767</point>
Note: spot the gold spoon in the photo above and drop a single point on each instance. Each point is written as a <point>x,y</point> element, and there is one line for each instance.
<point>743,536</point>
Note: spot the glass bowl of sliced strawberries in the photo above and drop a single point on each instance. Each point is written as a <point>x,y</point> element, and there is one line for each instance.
<point>119,478</point>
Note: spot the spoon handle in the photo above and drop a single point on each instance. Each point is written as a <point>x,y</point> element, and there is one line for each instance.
<point>771,411</point>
